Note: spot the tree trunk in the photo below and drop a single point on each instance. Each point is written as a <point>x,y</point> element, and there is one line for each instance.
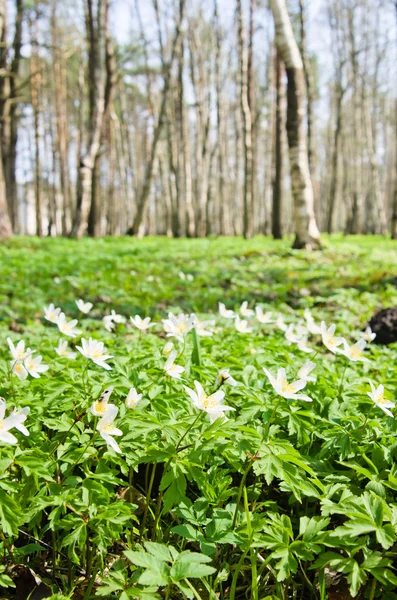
<point>138,226</point>
<point>5,221</point>
<point>97,67</point>
<point>277,212</point>
<point>335,158</point>
<point>247,125</point>
<point>306,232</point>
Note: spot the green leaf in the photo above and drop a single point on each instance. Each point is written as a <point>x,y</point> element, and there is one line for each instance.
<point>10,514</point>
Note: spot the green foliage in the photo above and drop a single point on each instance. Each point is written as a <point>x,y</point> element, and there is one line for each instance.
<point>276,502</point>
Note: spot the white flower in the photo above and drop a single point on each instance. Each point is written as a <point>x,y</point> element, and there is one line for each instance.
<point>51,313</point>
<point>262,317</point>
<point>141,324</point>
<point>14,420</point>
<point>178,326</point>
<point>85,307</point>
<point>201,328</point>
<point>329,339</point>
<point>108,322</point>
<point>303,347</point>
<point>313,328</point>
<point>63,350</point>
<point>107,429</point>
<point>117,318</point>
<point>212,405</point>
<point>34,367</point>
<point>133,398</point>
<point>67,327</point>
<point>171,369</point>
<point>224,312</point>
<point>369,335</point>
<point>189,277</point>
<point>167,348</point>
<point>225,377</point>
<point>96,352</point>
<point>245,311</point>
<point>285,389</point>
<point>18,368</point>
<point>242,326</point>
<point>378,396</point>
<point>182,275</point>
<point>100,407</point>
<point>355,351</point>
<point>18,352</point>
<point>291,336</point>
<point>305,370</point>
<point>280,323</point>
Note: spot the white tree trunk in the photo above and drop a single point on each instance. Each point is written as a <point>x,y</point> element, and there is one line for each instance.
<point>307,234</point>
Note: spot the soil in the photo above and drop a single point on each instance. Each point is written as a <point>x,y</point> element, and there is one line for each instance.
<point>384,324</point>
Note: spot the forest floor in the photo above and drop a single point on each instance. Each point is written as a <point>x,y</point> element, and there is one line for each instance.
<point>130,275</point>
<point>292,497</point>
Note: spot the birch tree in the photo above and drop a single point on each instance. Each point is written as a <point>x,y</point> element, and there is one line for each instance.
<point>306,231</point>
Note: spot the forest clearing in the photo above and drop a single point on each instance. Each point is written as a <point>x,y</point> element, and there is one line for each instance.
<point>198,299</point>
<point>159,457</point>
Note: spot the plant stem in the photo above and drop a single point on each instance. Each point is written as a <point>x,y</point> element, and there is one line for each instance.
<point>373,589</point>
<point>90,441</point>
<point>254,570</point>
<point>342,380</point>
<point>240,491</point>
<point>149,492</point>
<point>195,592</point>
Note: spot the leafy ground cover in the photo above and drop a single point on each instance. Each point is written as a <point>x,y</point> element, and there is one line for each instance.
<point>197,470</point>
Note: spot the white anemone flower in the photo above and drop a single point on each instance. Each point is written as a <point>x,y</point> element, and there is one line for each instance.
<point>141,324</point>
<point>212,404</point>
<point>34,366</point>
<point>302,345</point>
<point>109,323</point>
<point>51,313</point>
<point>167,348</point>
<point>245,311</point>
<point>225,312</point>
<point>18,369</point>
<point>117,318</point>
<point>280,323</point>
<point>100,407</point>
<point>19,352</point>
<point>225,377</point>
<point>285,389</point>
<point>378,396</point>
<point>355,351</point>
<point>292,335</point>
<point>63,350</point>
<point>311,325</point>
<point>179,325</point>
<point>133,398</point>
<point>84,307</point>
<point>329,339</point>
<point>171,369</point>
<point>14,421</point>
<point>369,335</point>
<point>107,429</point>
<point>262,317</point>
<point>67,327</point>
<point>242,325</point>
<point>95,351</point>
<point>201,328</point>
<point>305,370</point>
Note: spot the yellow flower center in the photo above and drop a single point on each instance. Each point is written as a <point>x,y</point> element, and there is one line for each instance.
<point>381,399</point>
<point>287,388</point>
<point>96,353</point>
<point>100,406</point>
<point>208,401</point>
<point>19,368</point>
<point>108,428</point>
<point>355,353</point>
<point>1,426</point>
<point>181,328</point>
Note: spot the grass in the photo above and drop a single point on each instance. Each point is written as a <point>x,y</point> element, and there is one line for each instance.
<point>279,501</point>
